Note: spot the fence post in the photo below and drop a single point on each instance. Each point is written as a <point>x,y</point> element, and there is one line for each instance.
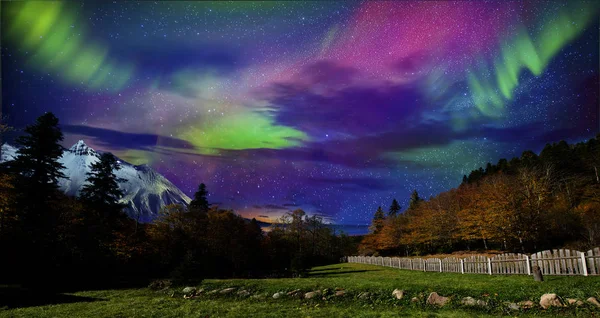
<point>490,265</point>
<point>424,265</point>
<point>462,266</point>
<point>440,265</point>
<point>583,263</point>
<point>411,267</point>
<point>528,265</point>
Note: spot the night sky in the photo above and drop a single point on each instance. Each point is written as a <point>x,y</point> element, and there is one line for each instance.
<point>332,107</point>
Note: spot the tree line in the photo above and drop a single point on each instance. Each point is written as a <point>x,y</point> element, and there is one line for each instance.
<point>529,203</point>
<point>47,236</point>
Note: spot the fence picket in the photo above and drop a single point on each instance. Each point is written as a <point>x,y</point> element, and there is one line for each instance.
<point>551,262</point>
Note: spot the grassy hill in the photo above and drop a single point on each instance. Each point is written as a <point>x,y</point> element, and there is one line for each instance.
<point>352,278</point>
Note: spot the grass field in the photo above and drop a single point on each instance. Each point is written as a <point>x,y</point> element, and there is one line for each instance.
<point>353,278</point>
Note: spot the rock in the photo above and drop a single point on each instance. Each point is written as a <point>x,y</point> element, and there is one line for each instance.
<point>470,301</point>
<point>189,291</point>
<point>227,291</point>
<point>526,304</point>
<point>243,293</point>
<point>512,306</point>
<point>294,292</point>
<point>550,300</point>
<point>414,300</point>
<point>212,292</point>
<point>340,293</point>
<point>593,301</point>
<point>312,294</point>
<point>573,301</point>
<point>278,295</point>
<point>364,295</point>
<point>259,296</point>
<point>398,293</point>
<point>435,299</point>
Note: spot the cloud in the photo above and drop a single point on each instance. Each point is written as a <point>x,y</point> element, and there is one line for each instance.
<point>118,140</point>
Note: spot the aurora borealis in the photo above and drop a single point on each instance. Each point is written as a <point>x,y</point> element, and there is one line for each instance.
<point>332,107</point>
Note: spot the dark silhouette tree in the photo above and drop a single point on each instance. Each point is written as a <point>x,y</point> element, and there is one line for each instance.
<point>414,200</point>
<point>102,188</point>
<point>200,202</point>
<point>378,220</point>
<point>394,208</point>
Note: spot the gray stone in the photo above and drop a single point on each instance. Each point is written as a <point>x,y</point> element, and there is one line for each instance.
<point>312,294</point>
<point>189,291</point>
<point>437,300</point>
<point>526,304</point>
<point>227,291</point>
<point>278,295</point>
<point>593,301</point>
<point>470,301</point>
<point>364,295</point>
<point>259,296</point>
<point>550,300</point>
<point>294,292</point>
<point>243,293</point>
<point>512,306</point>
<point>398,293</point>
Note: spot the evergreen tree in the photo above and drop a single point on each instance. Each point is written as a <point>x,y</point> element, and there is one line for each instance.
<point>37,158</point>
<point>102,188</point>
<point>36,173</point>
<point>200,203</point>
<point>394,208</point>
<point>378,220</point>
<point>414,200</point>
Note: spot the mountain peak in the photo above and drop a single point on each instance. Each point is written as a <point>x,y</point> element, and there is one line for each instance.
<point>80,148</point>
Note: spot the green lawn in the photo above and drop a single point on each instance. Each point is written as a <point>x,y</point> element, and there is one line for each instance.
<point>353,278</point>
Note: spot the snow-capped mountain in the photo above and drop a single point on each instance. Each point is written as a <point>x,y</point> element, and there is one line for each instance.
<point>145,190</point>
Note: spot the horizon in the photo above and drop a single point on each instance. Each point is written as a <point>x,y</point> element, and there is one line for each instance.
<point>330,107</point>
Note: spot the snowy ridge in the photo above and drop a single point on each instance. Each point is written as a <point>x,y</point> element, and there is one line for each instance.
<point>145,191</point>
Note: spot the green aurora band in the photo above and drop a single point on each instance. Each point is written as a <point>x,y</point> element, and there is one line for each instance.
<point>47,30</point>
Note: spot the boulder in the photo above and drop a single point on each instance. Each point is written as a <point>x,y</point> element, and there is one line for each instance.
<point>593,301</point>
<point>470,301</point>
<point>526,304</point>
<point>278,295</point>
<point>312,294</point>
<point>414,300</point>
<point>243,293</point>
<point>189,291</point>
<point>437,300</point>
<point>512,306</point>
<point>550,300</point>
<point>293,292</point>
<point>227,291</point>
<point>574,302</point>
<point>398,293</point>
<point>340,293</point>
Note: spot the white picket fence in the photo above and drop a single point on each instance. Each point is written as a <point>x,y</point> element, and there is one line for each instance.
<point>554,262</point>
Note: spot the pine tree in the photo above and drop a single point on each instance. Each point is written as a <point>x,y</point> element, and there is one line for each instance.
<point>102,188</point>
<point>200,203</point>
<point>414,200</point>
<point>37,157</point>
<point>394,208</point>
<point>378,220</point>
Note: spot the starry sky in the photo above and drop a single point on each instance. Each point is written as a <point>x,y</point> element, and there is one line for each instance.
<point>332,107</point>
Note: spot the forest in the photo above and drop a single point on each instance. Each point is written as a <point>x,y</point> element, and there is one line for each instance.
<point>50,239</point>
<point>527,204</point>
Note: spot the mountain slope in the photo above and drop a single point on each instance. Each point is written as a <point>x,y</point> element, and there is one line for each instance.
<point>145,190</point>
